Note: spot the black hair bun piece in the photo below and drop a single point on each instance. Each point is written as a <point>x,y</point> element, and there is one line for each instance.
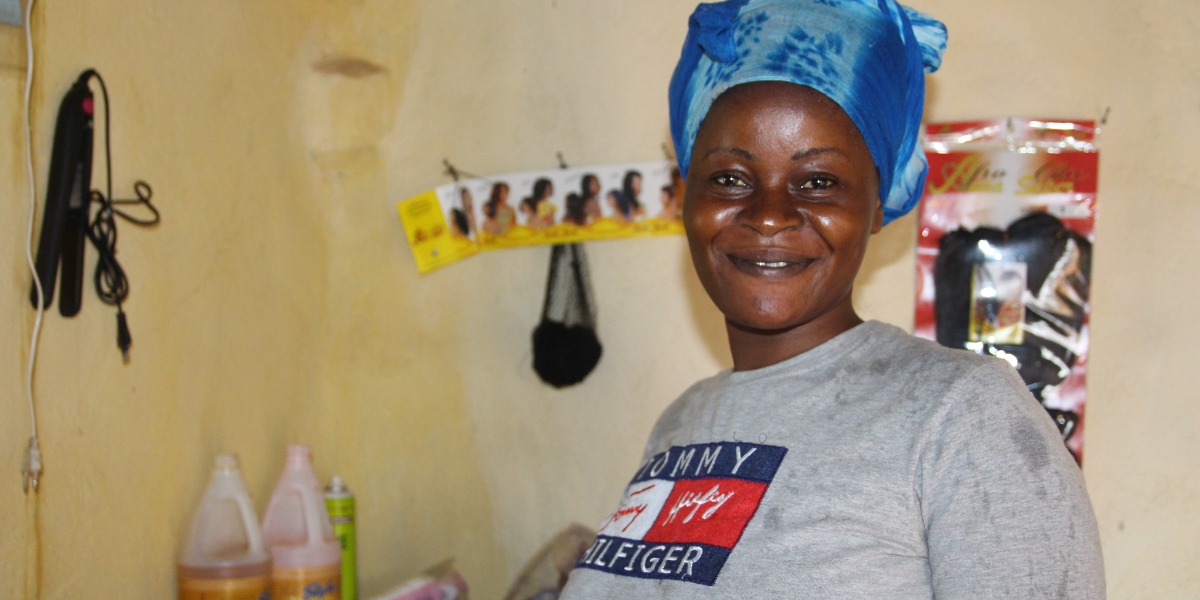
<point>563,355</point>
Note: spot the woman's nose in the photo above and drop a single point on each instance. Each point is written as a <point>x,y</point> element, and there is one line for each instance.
<point>770,211</point>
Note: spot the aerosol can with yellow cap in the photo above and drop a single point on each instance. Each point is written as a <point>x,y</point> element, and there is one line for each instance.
<point>340,503</point>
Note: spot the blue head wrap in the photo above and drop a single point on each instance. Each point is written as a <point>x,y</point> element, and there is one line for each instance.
<point>869,56</point>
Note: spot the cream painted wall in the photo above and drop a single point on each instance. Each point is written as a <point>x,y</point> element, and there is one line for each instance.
<point>277,301</point>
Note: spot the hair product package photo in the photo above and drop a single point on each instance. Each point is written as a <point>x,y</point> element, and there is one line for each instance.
<point>1004,252</point>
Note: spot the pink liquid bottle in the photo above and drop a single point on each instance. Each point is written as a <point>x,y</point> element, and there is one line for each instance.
<point>306,556</point>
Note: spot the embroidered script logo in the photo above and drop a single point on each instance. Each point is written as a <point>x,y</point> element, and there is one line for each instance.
<point>697,501</point>
<point>632,507</point>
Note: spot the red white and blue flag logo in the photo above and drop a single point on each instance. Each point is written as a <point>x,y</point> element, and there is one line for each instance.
<point>684,512</point>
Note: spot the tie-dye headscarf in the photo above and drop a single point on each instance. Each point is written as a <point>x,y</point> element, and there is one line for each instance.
<point>869,56</point>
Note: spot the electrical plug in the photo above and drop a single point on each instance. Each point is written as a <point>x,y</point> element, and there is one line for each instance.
<point>124,340</point>
<point>31,468</point>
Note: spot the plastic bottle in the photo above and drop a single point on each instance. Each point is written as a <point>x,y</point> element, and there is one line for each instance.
<point>224,557</point>
<point>306,557</point>
<point>340,503</point>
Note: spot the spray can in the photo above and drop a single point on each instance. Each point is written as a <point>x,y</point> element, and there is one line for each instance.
<point>340,503</point>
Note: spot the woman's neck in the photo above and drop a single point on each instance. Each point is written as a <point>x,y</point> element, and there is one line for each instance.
<point>755,349</point>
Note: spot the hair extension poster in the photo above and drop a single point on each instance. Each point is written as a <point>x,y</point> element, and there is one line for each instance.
<point>557,206</point>
<point>1004,252</point>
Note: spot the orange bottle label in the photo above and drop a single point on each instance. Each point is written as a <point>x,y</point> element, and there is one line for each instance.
<point>310,583</point>
<point>243,588</point>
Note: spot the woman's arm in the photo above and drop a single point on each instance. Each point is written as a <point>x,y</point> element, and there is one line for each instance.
<point>1006,511</point>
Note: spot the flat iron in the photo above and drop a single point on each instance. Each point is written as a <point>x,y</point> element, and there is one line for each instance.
<point>68,198</point>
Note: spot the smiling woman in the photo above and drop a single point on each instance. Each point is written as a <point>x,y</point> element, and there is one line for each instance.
<point>837,458</point>
<point>781,199</point>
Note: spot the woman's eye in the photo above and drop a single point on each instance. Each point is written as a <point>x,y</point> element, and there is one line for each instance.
<point>817,183</point>
<point>729,180</point>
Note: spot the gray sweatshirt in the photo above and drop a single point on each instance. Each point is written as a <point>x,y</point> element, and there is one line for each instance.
<point>876,465</point>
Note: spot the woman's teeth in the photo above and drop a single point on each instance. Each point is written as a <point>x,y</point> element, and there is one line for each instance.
<point>769,264</point>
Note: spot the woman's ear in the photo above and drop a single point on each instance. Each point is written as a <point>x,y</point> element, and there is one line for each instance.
<point>877,223</point>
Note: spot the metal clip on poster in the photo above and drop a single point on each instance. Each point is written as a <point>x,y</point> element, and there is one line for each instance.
<point>565,346</point>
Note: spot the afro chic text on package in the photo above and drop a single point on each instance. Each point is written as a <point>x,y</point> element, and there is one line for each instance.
<point>1005,252</point>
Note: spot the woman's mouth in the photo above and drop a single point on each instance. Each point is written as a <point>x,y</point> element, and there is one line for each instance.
<point>769,263</point>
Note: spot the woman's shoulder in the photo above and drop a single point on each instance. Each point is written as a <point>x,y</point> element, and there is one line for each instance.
<point>942,384</point>
<point>976,418</point>
<point>894,355</point>
<point>962,393</point>
<point>903,346</point>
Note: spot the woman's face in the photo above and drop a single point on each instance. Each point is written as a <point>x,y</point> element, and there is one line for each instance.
<point>781,198</point>
<point>549,191</point>
<point>593,186</point>
<point>503,194</point>
<point>635,182</point>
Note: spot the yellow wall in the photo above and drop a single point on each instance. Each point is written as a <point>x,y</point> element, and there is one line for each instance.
<point>278,302</point>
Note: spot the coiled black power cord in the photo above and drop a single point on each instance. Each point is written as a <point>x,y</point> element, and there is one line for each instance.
<point>112,285</point>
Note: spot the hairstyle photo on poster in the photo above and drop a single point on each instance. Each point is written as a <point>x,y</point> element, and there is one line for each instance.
<point>1004,252</point>
<point>556,206</point>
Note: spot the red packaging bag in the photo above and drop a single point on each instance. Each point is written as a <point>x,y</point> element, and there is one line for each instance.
<point>1004,252</point>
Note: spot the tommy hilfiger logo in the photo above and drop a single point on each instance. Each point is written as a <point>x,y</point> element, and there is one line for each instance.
<point>684,512</point>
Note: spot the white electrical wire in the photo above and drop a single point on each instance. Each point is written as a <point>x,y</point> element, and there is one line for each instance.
<point>32,466</point>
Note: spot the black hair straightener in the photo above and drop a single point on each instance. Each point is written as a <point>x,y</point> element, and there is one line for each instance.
<point>68,194</point>
<point>68,223</point>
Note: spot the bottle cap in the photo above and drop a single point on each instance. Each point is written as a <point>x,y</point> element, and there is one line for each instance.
<point>226,462</point>
<point>298,455</point>
<point>336,486</point>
